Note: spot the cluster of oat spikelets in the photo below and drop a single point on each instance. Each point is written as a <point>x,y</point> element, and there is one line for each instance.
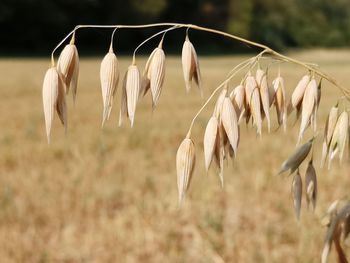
<point>251,100</point>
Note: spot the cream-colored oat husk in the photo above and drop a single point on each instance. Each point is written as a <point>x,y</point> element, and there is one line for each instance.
<point>185,162</point>
<point>210,138</point>
<point>68,67</point>
<point>109,77</point>
<point>50,94</point>
<point>261,80</point>
<point>190,66</point>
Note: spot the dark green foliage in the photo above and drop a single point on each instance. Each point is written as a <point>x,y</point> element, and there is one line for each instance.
<point>32,26</point>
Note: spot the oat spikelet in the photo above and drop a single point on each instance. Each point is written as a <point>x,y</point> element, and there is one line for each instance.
<point>237,97</point>
<point>132,87</point>
<point>210,138</point>
<point>68,66</point>
<point>297,192</point>
<point>309,106</point>
<point>298,94</point>
<point>339,137</point>
<point>185,162</point>
<point>253,99</point>
<point>61,102</point>
<point>261,80</point>
<point>311,185</point>
<point>296,158</point>
<point>328,132</point>
<point>218,104</point>
<point>109,77</point>
<point>50,94</point>
<point>280,101</point>
<point>146,75</point>
<point>190,66</point>
<point>123,103</point>
<point>230,123</point>
<point>153,76</point>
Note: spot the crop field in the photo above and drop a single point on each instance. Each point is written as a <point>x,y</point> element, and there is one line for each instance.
<point>110,195</point>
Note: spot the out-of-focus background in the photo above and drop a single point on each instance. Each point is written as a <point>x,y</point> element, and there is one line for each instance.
<point>110,195</point>
<point>33,26</point>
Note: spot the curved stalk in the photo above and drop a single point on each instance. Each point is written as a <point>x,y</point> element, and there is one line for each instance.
<point>148,39</point>
<point>269,50</point>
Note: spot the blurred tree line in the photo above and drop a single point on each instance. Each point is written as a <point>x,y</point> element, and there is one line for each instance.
<point>35,26</point>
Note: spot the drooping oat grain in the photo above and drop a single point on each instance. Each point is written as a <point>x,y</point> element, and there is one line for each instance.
<point>297,192</point>
<point>328,132</point>
<point>50,94</point>
<point>340,134</point>
<point>230,123</point>
<point>311,185</point>
<point>146,75</point>
<point>210,139</point>
<point>280,101</point>
<point>123,103</point>
<point>309,107</point>
<point>190,65</point>
<point>61,106</point>
<point>132,87</point>
<point>153,76</point>
<point>298,156</point>
<point>237,97</point>
<point>253,101</point>
<point>218,104</point>
<point>261,80</point>
<point>298,94</point>
<point>185,162</point>
<point>68,66</point>
<point>109,77</point>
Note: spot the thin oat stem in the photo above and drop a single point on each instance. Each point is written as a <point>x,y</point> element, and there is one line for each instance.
<point>252,65</point>
<point>148,39</point>
<point>269,50</point>
<point>112,40</point>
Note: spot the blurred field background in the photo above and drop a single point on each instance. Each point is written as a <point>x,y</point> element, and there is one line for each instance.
<point>111,196</point>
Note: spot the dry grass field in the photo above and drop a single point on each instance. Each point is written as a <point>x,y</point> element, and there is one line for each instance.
<point>111,196</point>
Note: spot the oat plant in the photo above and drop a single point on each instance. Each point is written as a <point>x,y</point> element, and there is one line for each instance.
<point>250,100</point>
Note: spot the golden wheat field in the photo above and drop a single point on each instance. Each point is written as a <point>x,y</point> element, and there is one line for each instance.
<point>111,195</point>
